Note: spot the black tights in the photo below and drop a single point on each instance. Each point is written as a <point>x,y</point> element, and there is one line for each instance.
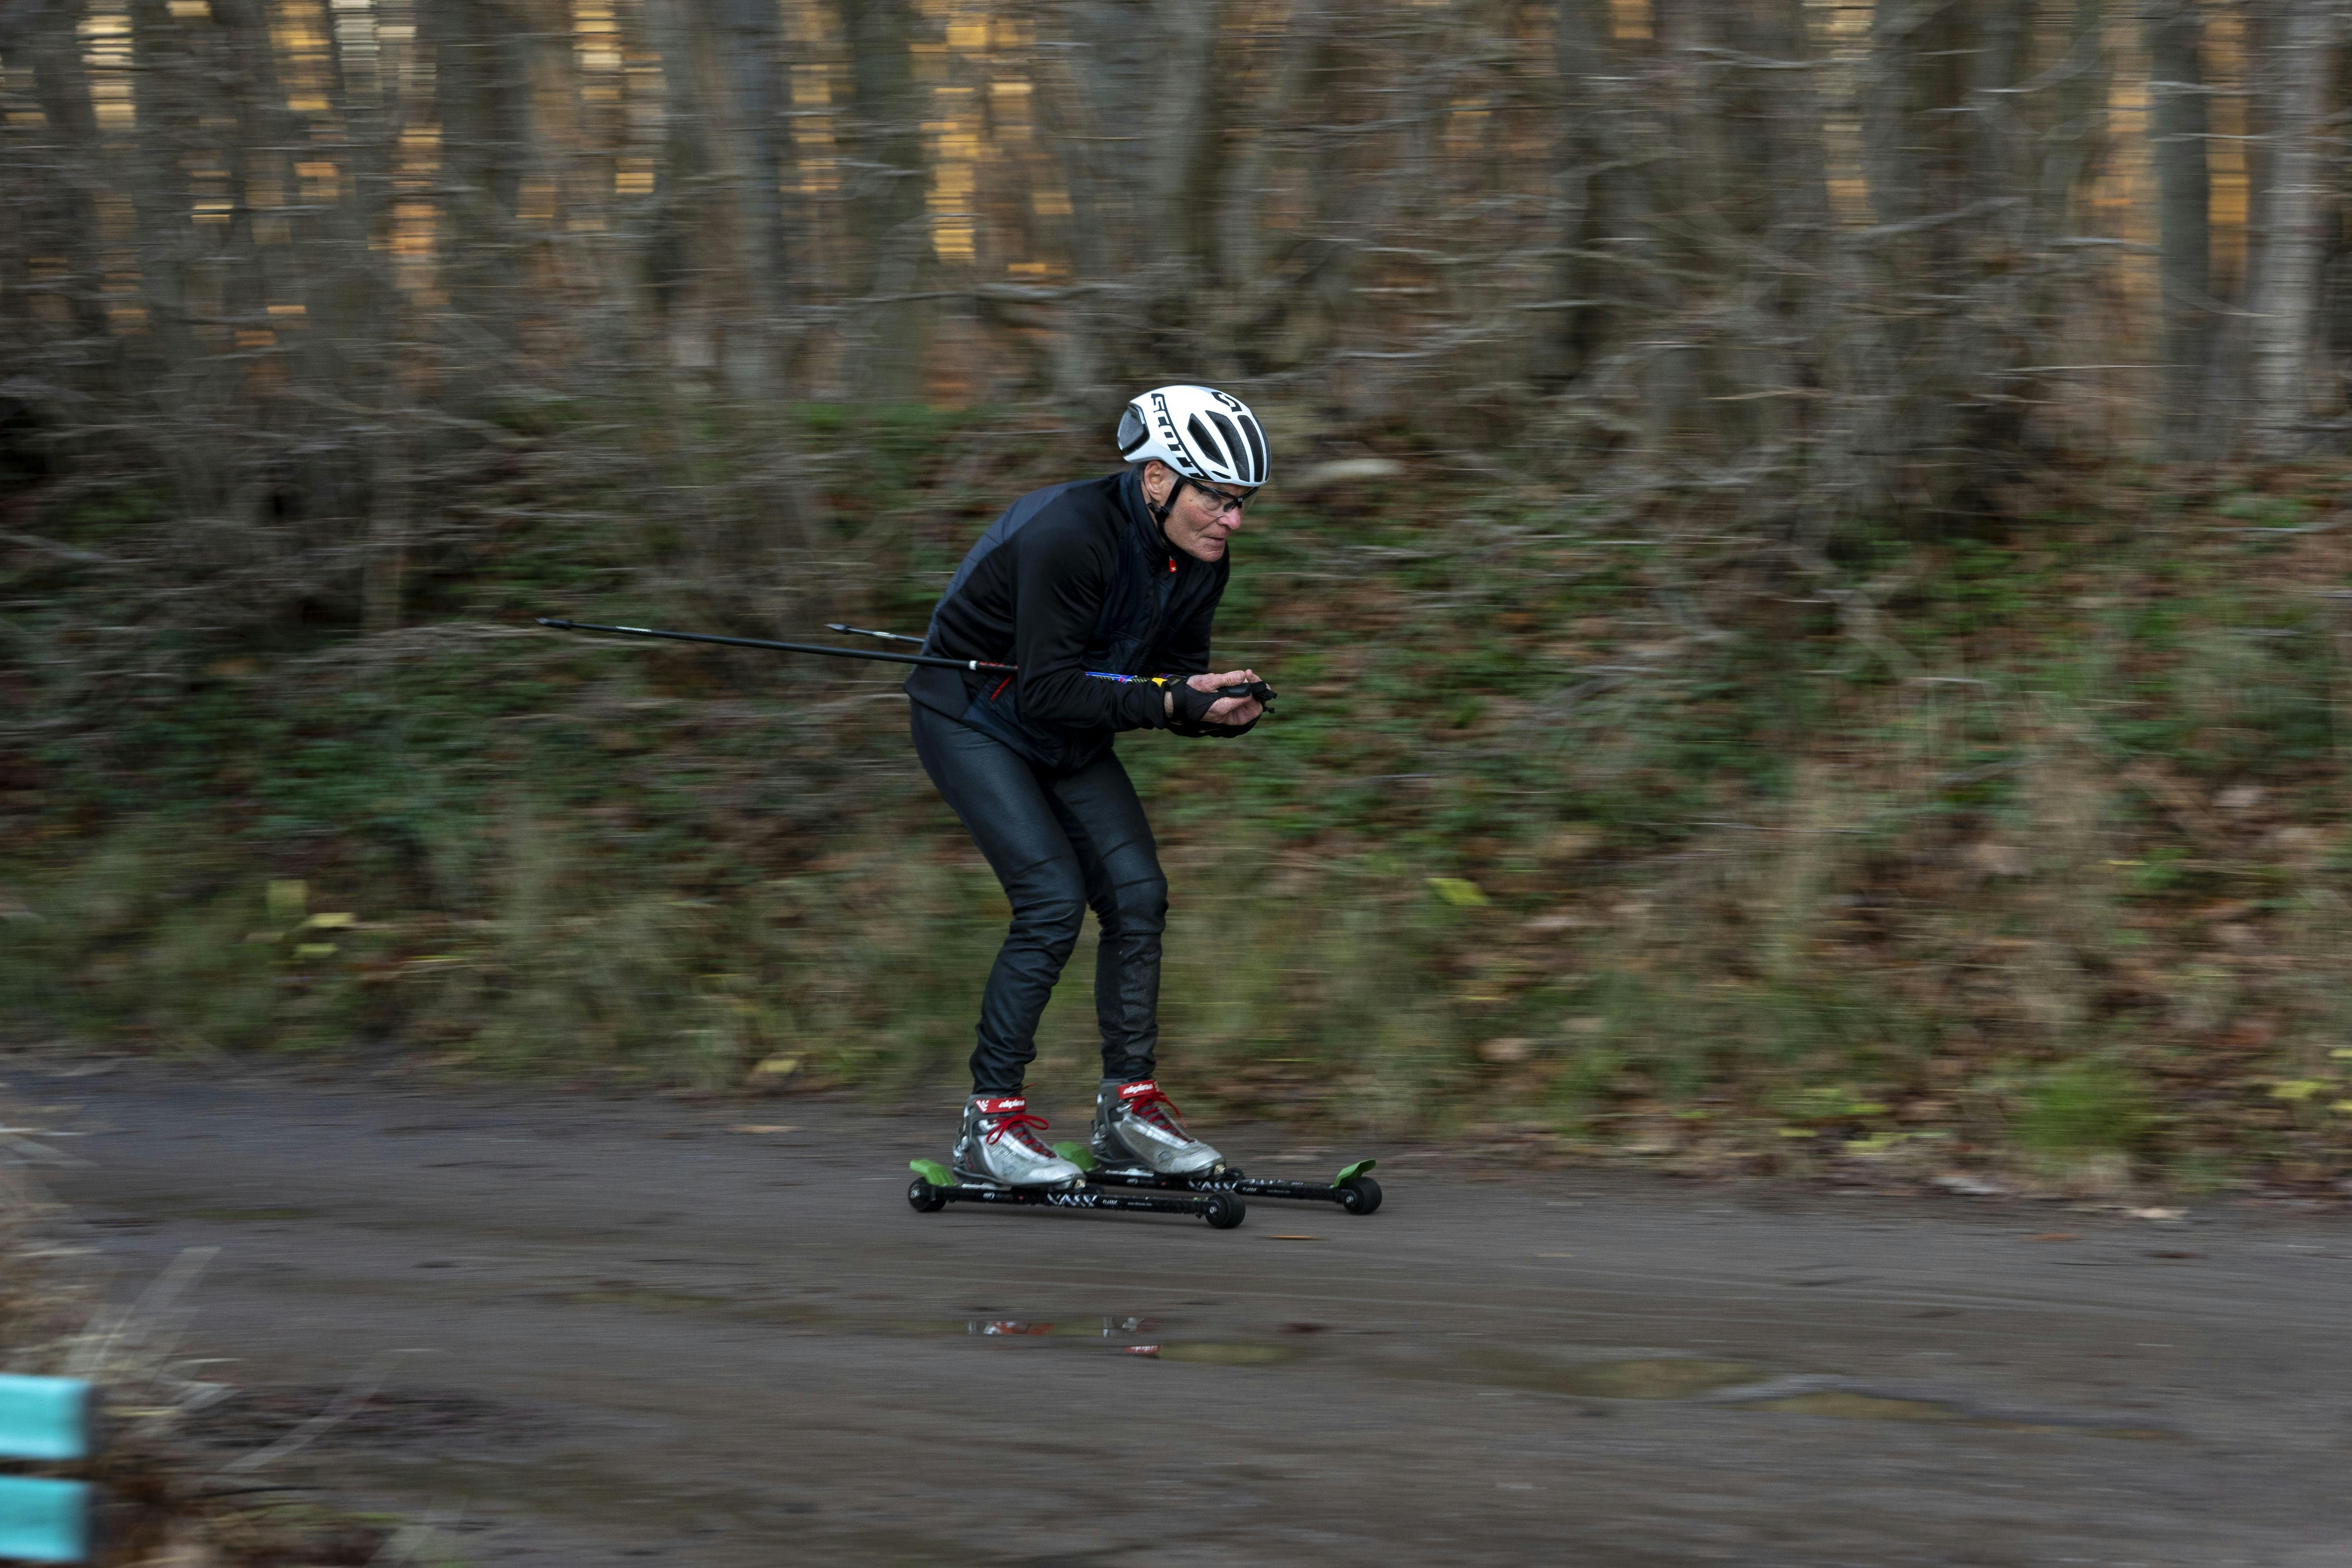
<point>1058,843</point>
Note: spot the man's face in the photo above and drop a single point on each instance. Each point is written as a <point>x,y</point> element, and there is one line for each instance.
<point>1203,516</point>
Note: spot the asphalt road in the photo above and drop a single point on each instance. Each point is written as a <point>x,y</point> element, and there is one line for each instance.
<point>606,1332</point>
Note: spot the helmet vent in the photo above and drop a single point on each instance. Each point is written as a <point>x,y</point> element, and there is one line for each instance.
<point>1239,464</point>
<point>1209,447</point>
<point>1132,431</point>
<point>1257,447</point>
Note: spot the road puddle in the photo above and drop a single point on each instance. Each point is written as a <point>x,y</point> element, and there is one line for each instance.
<point>1646,1377</point>
<point>1848,1404</point>
<point>1859,1407</point>
<point>1210,1353</point>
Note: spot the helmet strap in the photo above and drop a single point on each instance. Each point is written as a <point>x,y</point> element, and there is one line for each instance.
<point>1159,513</point>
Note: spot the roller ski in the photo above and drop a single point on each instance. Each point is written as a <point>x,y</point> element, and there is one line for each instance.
<point>1139,1140</point>
<point>1000,1159</point>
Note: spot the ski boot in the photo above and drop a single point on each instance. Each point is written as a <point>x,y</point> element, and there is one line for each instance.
<point>1136,1125</point>
<point>998,1145</point>
<point>1140,1141</point>
<point>1000,1161</point>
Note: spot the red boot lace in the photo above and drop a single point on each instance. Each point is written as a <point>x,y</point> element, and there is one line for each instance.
<point>1155,1106</point>
<point>1018,1123</point>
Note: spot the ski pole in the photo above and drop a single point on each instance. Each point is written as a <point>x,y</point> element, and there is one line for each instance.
<point>862,632</point>
<point>1257,689</point>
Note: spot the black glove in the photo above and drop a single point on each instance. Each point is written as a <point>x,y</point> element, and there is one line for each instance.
<point>1191,706</point>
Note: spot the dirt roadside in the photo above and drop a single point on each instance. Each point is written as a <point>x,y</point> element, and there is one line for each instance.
<point>607,1332</point>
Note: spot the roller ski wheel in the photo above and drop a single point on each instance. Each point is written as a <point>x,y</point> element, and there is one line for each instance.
<point>935,1187</point>
<point>1353,1189</point>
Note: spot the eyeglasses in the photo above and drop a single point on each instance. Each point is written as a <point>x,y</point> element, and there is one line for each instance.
<point>1223,500</point>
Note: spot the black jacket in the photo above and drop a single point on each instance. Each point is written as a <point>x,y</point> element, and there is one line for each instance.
<point>1073,580</point>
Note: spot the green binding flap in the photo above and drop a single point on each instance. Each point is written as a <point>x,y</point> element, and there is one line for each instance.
<point>1077,1154</point>
<point>931,1171</point>
<point>1353,1171</point>
<point>44,1418</point>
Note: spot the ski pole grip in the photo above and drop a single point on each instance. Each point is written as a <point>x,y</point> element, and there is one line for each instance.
<point>1257,689</point>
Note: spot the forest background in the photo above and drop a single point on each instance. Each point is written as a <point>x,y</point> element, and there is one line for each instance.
<point>1805,561</point>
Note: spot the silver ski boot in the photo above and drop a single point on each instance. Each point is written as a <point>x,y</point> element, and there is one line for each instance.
<point>999,1144</point>
<point>1135,1124</point>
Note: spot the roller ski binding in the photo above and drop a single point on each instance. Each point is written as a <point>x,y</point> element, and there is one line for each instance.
<point>1139,1140</point>
<point>999,1159</point>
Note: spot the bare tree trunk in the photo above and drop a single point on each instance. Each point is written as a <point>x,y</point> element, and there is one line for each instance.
<point>482,100</point>
<point>894,241</point>
<point>672,260</point>
<point>1586,186</point>
<point>2286,325</point>
<point>259,154</point>
<point>1131,110</point>
<point>1920,166</point>
<point>2177,131</point>
<point>2070,145</point>
<point>167,124</point>
<point>1249,248</point>
<point>75,164</point>
<point>756,137</point>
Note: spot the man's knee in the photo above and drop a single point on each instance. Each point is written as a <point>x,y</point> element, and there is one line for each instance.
<point>1135,906</point>
<point>1049,912</point>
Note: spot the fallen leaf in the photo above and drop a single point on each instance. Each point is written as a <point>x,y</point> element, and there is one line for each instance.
<point>777,1067</point>
<point>766,1127</point>
<point>1458,891</point>
<point>2155,1214</point>
<point>1504,1051</point>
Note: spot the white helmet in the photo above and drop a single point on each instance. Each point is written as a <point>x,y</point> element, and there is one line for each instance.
<point>1198,431</point>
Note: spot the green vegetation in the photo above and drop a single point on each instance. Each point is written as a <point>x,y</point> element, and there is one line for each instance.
<point>1610,826</point>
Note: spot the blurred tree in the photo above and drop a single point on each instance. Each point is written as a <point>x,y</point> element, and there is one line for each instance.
<point>2178,125</point>
<point>2285,297</point>
<point>893,232</point>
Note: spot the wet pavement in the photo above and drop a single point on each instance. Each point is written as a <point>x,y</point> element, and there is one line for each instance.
<point>584,1332</point>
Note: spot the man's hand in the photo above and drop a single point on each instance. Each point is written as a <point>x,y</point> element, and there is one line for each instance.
<point>1229,710</point>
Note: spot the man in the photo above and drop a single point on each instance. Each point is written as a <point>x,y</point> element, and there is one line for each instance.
<point>1118,575</point>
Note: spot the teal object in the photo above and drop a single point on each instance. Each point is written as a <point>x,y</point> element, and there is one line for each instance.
<point>44,1521</point>
<point>1353,1171</point>
<point>44,1418</point>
